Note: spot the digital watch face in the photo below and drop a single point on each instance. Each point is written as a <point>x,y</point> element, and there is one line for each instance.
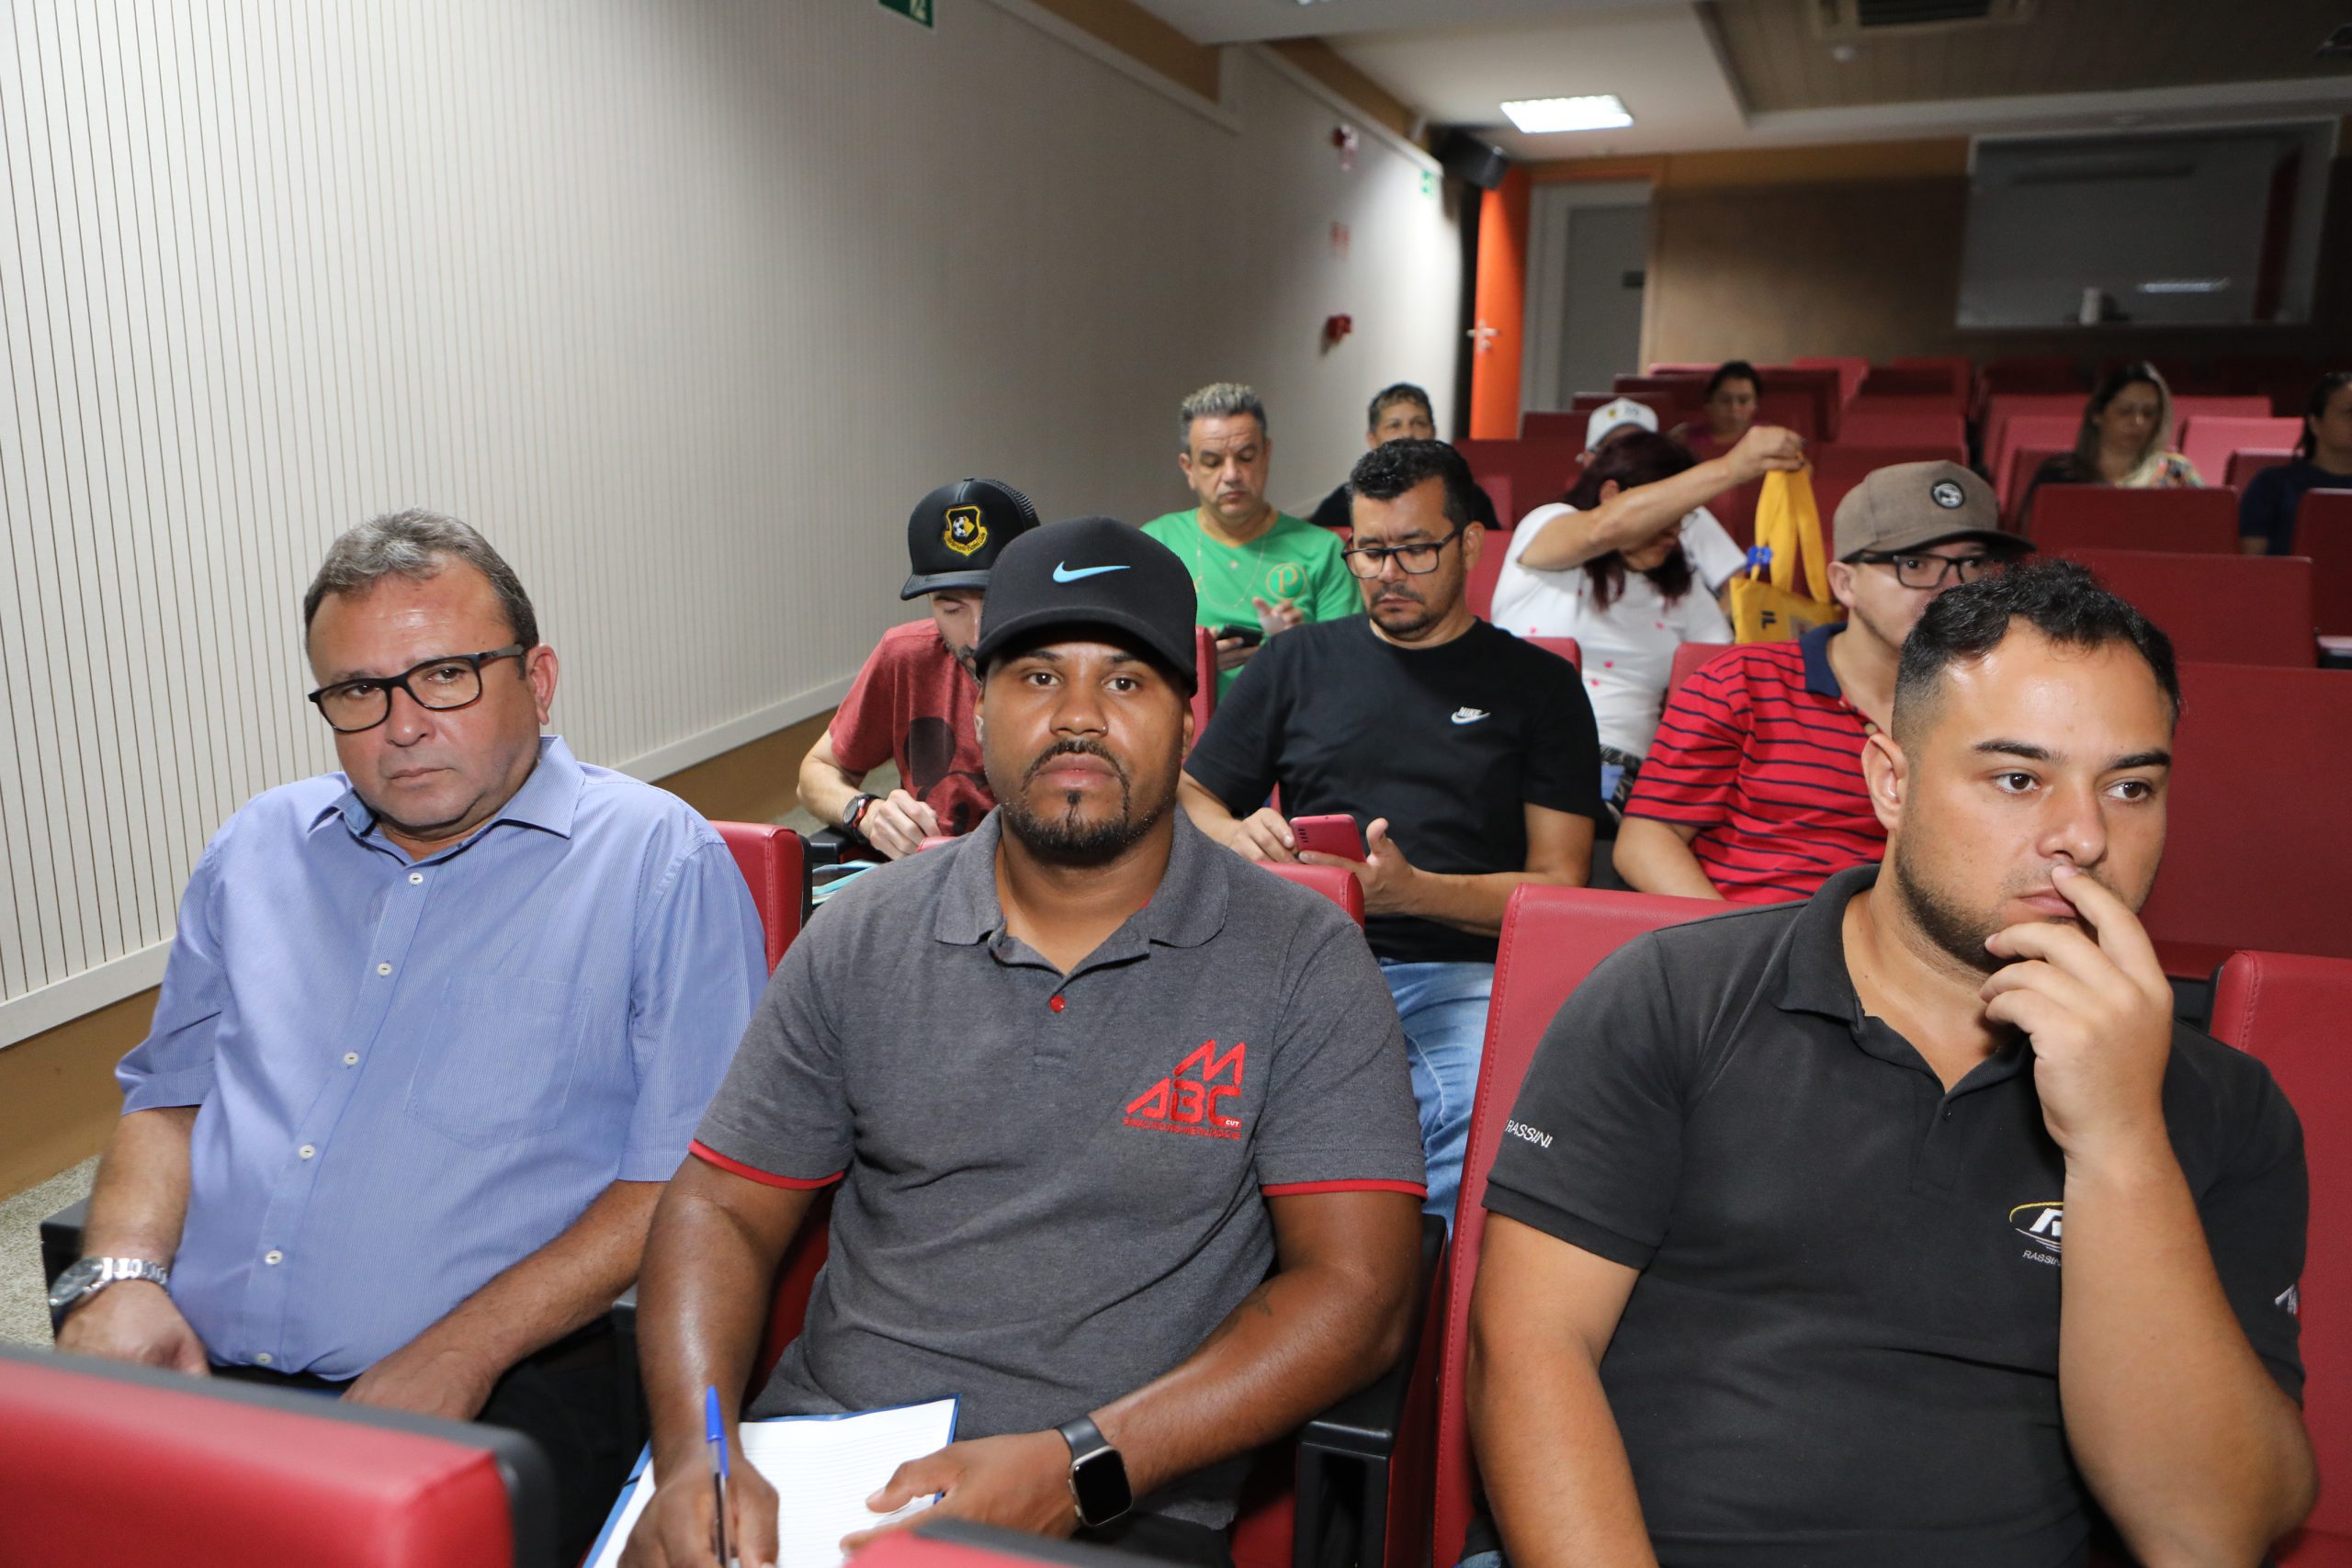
<point>1099,1479</point>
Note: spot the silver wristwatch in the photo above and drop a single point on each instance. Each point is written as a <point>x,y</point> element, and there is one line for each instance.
<point>82,1280</point>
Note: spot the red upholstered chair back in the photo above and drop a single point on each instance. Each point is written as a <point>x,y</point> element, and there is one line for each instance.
<point>128,1465</point>
<point>1550,425</point>
<point>2059,414</point>
<point>1689,657</point>
<point>1505,495</point>
<point>1330,881</point>
<point>1882,425</point>
<point>2255,852</point>
<point>2067,518</point>
<point>2025,461</point>
<point>1479,589</point>
<point>1203,681</point>
<point>774,862</point>
<point>2248,461</point>
<point>2289,1012</point>
<point>2206,440</point>
<point>2219,609</point>
<point>2323,536</point>
<point>1551,938</point>
<point>1539,469</point>
<point>1566,646</point>
<point>2196,406</point>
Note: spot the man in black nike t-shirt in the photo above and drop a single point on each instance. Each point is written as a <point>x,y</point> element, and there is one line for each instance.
<point>1466,757</point>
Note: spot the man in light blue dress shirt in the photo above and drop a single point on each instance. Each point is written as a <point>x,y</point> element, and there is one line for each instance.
<point>435,1031</point>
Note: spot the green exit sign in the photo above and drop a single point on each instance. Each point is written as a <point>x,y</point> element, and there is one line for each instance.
<point>912,10</point>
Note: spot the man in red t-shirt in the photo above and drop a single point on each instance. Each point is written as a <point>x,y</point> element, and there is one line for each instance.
<point>1753,789</point>
<point>912,702</point>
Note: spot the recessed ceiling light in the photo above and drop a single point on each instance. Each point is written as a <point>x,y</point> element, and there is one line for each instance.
<point>2186,286</point>
<point>1598,111</point>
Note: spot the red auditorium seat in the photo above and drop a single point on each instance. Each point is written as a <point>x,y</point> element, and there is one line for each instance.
<point>2248,461</point>
<point>2098,517</point>
<point>2061,414</point>
<point>1551,938</point>
<point>1203,681</point>
<point>1479,589</point>
<point>1801,409</point>
<point>1537,470</point>
<point>1502,491</point>
<point>775,863</point>
<point>2206,440</point>
<point>1349,1452</point>
<point>2288,1012</point>
<point>1689,657</point>
<point>2220,609</point>
<point>1552,425</point>
<point>1566,646</point>
<point>2188,406</point>
<point>2324,535</point>
<point>2024,463</point>
<point>138,1468</point>
<point>1851,370</point>
<point>2255,852</point>
<point>1871,422</point>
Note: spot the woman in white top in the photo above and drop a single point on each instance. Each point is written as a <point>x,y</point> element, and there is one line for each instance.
<point>1622,564</point>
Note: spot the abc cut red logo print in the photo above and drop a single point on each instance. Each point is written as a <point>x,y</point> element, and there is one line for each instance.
<point>1192,1099</point>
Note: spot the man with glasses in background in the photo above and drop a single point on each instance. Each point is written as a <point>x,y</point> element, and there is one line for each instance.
<point>435,1031</point>
<point>1466,757</point>
<point>1753,789</point>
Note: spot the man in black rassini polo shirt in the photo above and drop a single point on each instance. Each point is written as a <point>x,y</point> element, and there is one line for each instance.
<point>1905,1225</point>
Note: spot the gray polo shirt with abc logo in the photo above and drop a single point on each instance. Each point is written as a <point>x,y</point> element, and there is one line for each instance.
<point>1053,1187</point>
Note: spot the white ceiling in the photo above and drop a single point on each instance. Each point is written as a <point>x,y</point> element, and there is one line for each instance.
<point>1456,60</point>
<point>1247,21</point>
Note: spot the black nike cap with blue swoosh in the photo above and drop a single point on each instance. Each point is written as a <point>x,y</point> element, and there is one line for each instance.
<point>1091,573</point>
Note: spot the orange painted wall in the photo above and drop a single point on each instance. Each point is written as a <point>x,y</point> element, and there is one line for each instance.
<point>1501,308</point>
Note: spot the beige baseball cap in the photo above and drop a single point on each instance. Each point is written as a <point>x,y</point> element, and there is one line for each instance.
<point>1614,416</point>
<point>1906,504</point>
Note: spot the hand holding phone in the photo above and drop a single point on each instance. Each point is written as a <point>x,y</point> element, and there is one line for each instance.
<point>1337,836</point>
<point>1248,637</point>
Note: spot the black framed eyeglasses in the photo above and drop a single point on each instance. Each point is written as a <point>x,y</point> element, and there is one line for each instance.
<point>1419,561</point>
<point>452,681</point>
<point>1932,571</point>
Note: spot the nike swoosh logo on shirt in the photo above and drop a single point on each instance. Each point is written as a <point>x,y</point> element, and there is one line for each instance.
<point>1468,716</point>
<point>1062,573</point>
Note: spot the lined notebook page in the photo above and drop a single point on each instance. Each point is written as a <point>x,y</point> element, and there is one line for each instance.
<point>823,1468</point>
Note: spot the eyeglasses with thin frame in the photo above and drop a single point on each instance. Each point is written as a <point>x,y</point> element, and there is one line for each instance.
<point>1932,571</point>
<point>1367,561</point>
<point>452,681</point>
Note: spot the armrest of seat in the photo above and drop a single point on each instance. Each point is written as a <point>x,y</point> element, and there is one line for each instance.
<point>1365,1465</point>
<point>61,1239</point>
<point>831,846</point>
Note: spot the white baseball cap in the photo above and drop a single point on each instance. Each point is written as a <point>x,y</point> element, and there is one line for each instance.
<point>1610,417</point>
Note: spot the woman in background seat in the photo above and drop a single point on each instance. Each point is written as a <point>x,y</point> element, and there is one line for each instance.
<point>1627,563</point>
<point>2322,461</point>
<point>2125,439</point>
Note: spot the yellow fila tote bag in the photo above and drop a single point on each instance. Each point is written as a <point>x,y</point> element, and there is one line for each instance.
<point>1771,608</point>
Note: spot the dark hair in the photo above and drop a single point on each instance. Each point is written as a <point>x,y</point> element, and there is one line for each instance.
<point>2059,598</point>
<point>1402,392</point>
<point>1634,458</point>
<point>1386,472</point>
<point>2139,373</point>
<point>1735,370</point>
<point>417,545</point>
<point>2335,381</point>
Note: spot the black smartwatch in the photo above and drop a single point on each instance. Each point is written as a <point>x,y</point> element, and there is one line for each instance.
<point>1098,1476</point>
<point>859,805</point>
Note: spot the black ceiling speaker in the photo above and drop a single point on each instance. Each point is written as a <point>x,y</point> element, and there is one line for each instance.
<point>1465,157</point>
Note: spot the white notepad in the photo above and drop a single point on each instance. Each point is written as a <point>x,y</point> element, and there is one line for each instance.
<point>823,1469</point>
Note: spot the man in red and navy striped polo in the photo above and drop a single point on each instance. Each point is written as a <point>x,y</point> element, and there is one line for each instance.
<point>1753,789</point>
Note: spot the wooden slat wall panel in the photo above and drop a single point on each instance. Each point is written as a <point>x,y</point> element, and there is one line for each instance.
<point>682,304</point>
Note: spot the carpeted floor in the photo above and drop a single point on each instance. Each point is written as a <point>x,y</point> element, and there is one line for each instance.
<point>24,1300</point>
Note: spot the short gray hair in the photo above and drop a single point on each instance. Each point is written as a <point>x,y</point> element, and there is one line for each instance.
<point>417,545</point>
<point>1218,400</point>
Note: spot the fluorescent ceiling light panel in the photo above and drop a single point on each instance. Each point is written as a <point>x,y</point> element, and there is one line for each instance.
<point>1598,111</point>
<point>2185,285</point>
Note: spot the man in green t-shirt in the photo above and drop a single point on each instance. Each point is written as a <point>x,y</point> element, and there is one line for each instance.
<point>1251,564</point>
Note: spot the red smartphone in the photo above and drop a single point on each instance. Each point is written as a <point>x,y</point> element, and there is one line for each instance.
<point>1329,836</point>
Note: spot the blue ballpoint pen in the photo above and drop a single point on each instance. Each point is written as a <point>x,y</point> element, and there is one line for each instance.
<point>715,1438</point>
